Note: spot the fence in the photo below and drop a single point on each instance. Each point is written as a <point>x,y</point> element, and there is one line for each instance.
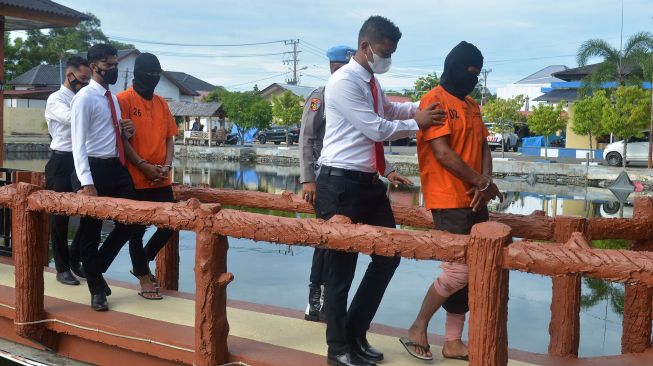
<point>488,251</point>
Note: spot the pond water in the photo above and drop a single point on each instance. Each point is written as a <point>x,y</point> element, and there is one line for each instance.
<point>263,270</point>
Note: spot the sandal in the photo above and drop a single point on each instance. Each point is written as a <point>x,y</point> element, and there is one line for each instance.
<point>462,358</point>
<point>408,344</point>
<point>143,293</point>
<point>152,279</point>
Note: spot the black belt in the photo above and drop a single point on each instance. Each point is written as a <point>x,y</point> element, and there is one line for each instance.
<point>64,153</point>
<point>363,177</point>
<point>104,161</point>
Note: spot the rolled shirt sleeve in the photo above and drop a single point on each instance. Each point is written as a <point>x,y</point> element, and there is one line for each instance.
<point>346,97</point>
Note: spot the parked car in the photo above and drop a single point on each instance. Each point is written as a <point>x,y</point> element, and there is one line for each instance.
<point>637,151</point>
<point>278,134</point>
<point>497,139</point>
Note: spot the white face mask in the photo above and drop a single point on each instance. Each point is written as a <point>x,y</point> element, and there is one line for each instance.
<point>379,65</point>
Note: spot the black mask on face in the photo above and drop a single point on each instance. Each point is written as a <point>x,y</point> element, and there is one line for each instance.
<point>76,85</point>
<point>146,74</point>
<point>456,79</point>
<point>109,76</point>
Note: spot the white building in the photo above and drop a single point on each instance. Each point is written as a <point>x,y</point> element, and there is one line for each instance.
<point>531,86</point>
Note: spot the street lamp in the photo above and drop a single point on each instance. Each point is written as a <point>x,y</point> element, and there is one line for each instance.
<point>61,63</point>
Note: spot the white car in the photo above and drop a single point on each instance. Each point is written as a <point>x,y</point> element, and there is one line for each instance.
<point>637,151</point>
<point>496,139</point>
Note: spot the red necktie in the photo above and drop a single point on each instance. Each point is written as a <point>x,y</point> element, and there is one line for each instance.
<point>116,129</point>
<point>379,154</point>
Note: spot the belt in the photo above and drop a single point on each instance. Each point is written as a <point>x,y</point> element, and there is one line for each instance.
<point>104,161</point>
<point>64,153</point>
<point>356,175</point>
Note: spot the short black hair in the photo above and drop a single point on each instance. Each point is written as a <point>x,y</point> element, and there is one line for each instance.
<point>377,29</point>
<point>100,51</point>
<point>76,62</point>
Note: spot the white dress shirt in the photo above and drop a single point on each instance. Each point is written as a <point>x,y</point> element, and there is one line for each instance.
<point>57,116</point>
<point>92,128</point>
<point>352,126</point>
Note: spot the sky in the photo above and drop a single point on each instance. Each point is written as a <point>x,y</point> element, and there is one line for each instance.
<point>517,37</point>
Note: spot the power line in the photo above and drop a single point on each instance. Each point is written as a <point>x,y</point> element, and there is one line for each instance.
<point>254,81</point>
<point>206,55</point>
<point>125,39</point>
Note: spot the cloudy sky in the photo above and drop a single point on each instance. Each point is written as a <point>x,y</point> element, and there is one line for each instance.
<point>517,37</point>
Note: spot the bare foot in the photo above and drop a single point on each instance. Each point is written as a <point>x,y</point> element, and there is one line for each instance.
<point>454,348</point>
<point>418,335</point>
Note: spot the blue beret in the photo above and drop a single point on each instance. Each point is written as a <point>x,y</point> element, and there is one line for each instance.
<point>340,54</point>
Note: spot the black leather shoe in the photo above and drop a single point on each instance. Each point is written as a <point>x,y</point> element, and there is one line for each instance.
<point>362,348</point>
<point>99,302</point>
<point>107,289</point>
<point>78,269</point>
<point>67,278</point>
<point>348,359</point>
<point>314,304</point>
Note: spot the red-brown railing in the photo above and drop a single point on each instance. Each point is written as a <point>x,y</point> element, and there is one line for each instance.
<point>488,251</point>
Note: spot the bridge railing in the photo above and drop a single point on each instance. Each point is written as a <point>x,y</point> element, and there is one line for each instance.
<point>488,251</point>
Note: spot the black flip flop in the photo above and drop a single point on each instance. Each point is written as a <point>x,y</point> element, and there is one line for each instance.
<point>142,294</point>
<point>407,343</point>
<point>461,358</point>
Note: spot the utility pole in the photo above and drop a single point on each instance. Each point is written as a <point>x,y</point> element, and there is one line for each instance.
<point>126,76</point>
<point>293,61</point>
<point>484,72</point>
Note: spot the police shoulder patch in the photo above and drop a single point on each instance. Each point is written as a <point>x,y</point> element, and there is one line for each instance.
<point>315,104</point>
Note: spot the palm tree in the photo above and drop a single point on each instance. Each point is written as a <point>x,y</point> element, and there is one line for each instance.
<point>632,63</point>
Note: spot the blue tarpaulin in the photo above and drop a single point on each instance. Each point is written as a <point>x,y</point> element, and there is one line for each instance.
<point>537,141</point>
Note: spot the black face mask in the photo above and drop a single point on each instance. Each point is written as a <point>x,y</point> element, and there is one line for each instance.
<point>456,79</point>
<point>76,85</point>
<point>109,76</point>
<point>144,84</point>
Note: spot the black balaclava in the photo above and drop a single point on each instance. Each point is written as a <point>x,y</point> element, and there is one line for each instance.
<point>455,77</point>
<point>144,84</point>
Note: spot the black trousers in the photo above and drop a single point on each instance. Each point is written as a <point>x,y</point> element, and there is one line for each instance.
<point>58,171</point>
<point>363,202</point>
<point>142,256</point>
<point>458,221</point>
<point>318,267</point>
<point>111,179</point>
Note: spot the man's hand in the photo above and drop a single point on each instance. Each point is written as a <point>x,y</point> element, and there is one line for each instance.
<point>128,128</point>
<point>150,171</point>
<point>308,192</point>
<point>481,198</point>
<point>396,179</point>
<point>88,190</point>
<point>430,116</point>
<point>164,171</point>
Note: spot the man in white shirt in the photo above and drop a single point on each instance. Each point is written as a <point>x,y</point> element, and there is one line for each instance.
<point>359,117</point>
<point>60,166</point>
<point>99,158</point>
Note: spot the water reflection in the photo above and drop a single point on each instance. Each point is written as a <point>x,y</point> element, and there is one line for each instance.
<point>263,271</point>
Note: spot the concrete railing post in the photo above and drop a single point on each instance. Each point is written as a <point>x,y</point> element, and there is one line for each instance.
<point>564,327</point>
<point>211,280</point>
<point>167,264</point>
<point>488,295</point>
<point>28,265</point>
<point>636,328</point>
<point>37,179</point>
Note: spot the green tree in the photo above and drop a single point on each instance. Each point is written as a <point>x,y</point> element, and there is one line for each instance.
<point>629,115</point>
<point>246,110</point>
<point>546,120</point>
<point>588,115</point>
<point>504,114</point>
<point>287,109</point>
<point>636,52</point>
<point>423,85</point>
<point>48,48</point>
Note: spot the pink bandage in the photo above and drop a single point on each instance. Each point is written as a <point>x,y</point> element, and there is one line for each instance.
<point>454,277</point>
<point>453,327</point>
